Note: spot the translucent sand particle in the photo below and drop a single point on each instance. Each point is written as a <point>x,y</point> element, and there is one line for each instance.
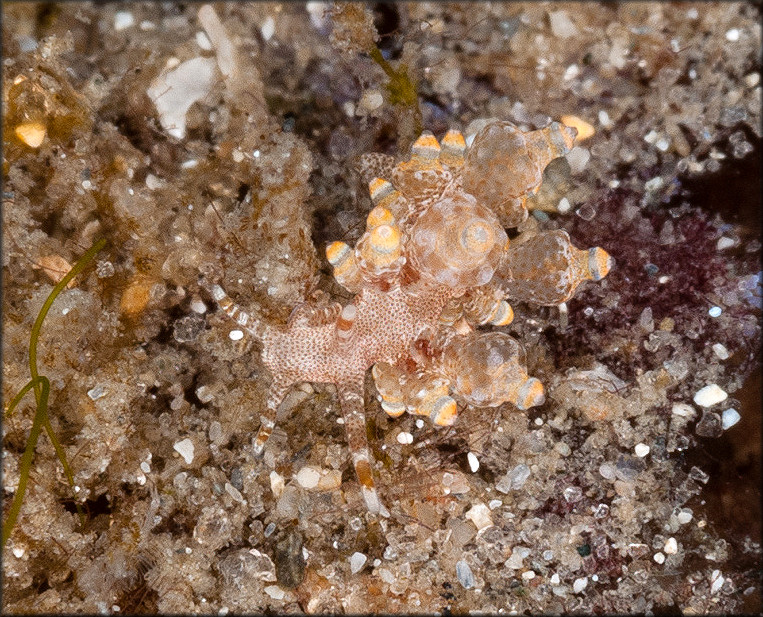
<point>464,574</point>
<point>580,584</point>
<point>721,351</point>
<point>479,514</point>
<point>275,592</point>
<point>729,418</point>
<point>357,561</point>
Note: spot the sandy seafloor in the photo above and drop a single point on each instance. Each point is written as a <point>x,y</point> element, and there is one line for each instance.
<point>620,494</point>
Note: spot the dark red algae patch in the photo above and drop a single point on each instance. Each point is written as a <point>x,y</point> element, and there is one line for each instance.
<point>665,259</point>
<point>641,261</point>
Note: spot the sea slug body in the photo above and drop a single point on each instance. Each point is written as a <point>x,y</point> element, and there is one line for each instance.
<point>433,265</point>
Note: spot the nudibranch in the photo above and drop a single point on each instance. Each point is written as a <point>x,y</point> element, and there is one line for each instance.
<point>433,265</point>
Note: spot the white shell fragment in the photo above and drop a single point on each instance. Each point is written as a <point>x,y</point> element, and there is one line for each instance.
<point>204,394</point>
<point>219,38</point>
<point>173,92</point>
<point>710,395</point>
<point>671,546</point>
<point>185,449</point>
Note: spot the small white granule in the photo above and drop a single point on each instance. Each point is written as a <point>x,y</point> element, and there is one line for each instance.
<point>123,20</point>
<point>474,464</point>
<point>268,28</point>
<point>198,306</point>
<point>641,450</point>
<point>404,438</point>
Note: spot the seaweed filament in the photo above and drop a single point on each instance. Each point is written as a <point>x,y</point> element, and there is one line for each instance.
<point>41,386</point>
